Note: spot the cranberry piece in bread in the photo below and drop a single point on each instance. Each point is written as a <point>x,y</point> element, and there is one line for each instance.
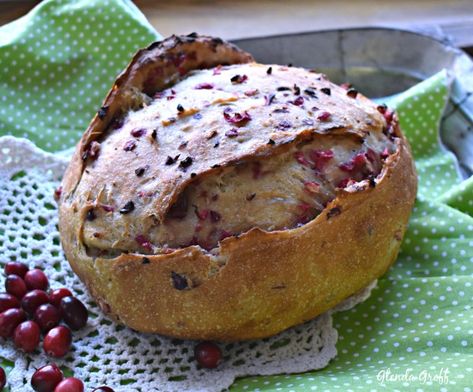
<point>216,198</point>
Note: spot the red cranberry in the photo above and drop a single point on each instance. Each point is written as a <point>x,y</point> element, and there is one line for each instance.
<point>70,384</point>
<point>3,378</point>
<point>16,286</point>
<point>32,300</point>
<point>16,268</point>
<point>57,341</point>
<point>47,316</point>
<point>36,279</point>
<point>9,320</point>
<point>74,313</point>
<point>46,378</point>
<point>26,336</point>
<point>103,388</point>
<point>55,296</point>
<point>208,355</point>
<point>8,301</point>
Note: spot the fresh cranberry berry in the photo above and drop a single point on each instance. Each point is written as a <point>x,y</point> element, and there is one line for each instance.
<point>46,378</point>
<point>26,336</point>
<point>47,316</point>
<point>36,279</point>
<point>70,384</point>
<point>16,286</point>
<point>55,296</point>
<point>16,268</point>
<point>208,355</point>
<point>103,388</point>
<point>32,300</point>
<point>3,378</point>
<point>74,313</point>
<point>57,341</point>
<point>8,301</point>
<point>9,320</point>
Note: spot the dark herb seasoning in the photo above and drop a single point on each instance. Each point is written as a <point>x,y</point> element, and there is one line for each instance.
<point>326,90</point>
<point>127,208</point>
<point>179,281</point>
<point>145,260</point>
<point>283,88</point>
<point>269,71</point>
<point>217,41</point>
<point>271,142</point>
<point>185,163</point>
<point>193,175</point>
<point>102,112</point>
<point>333,212</point>
<point>281,110</point>
<point>251,196</point>
<point>90,216</point>
<point>140,171</point>
<point>238,79</point>
<point>310,92</point>
<point>297,89</point>
<point>170,160</point>
<point>180,108</point>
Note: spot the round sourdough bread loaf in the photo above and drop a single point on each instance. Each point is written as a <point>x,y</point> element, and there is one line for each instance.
<point>213,197</point>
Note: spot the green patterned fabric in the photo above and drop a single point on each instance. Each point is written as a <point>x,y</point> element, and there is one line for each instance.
<point>414,332</point>
<point>58,62</point>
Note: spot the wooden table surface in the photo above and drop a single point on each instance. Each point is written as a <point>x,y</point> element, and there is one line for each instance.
<point>246,18</point>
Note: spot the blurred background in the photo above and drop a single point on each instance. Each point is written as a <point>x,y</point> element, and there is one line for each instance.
<point>245,18</point>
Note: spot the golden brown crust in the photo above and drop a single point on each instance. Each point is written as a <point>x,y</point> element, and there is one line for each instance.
<point>259,283</point>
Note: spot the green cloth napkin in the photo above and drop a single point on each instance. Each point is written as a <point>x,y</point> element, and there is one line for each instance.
<point>58,62</point>
<point>414,333</point>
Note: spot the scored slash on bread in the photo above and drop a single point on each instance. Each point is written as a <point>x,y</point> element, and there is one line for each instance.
<point>315,186</point>
<point>151,70</point>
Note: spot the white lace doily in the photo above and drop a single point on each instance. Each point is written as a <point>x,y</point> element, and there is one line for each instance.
<point>105,352</point>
